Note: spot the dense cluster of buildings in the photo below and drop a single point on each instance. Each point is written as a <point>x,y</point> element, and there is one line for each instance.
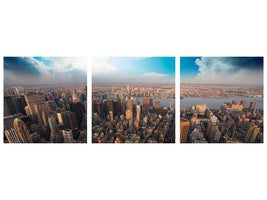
<point>232,123</point>
<point>45,115</point>
<point>123,121</point>
<point>215,91</point>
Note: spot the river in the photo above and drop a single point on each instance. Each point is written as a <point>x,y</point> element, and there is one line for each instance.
<point>215,103</point>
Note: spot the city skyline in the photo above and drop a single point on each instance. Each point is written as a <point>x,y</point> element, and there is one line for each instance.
<point>45,100</point>
<point>222,70</point>
<point>44,71</point>
<point>122,70</point>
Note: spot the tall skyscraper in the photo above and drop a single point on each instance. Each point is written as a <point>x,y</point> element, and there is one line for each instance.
<point>251,134</point>
<point>129,114</point>
<point>76,107</point>
<point>138,111</point>
<point>75,97</point>
<point>67,119</point>
<point>157,105</point>
<point>55,135</point>
<point>68,136</point>
<point>130,104</point>
<point>111,116</point>
<point>146,102</point>
<point>22,131</point>
<point>184,128</point>
<point>35,105</point>
<point>110,105</point>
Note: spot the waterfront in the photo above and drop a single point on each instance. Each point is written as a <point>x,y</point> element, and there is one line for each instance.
<point>164,102</point>
<point>215,103</point>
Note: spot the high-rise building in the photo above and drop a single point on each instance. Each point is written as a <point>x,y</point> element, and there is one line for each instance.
<point>55,135</point>
<point>129,114</point>
<point>68,136</point>
<point>251,134</point>
<point>184,128</point>
<point>150,103</point>
<point>130,104</point>
<point>22,131</point>
<point>146,102</point>
<point>75,97</point>
<point>157,105</point>
<point>110,105</point>
<point>35,105</point>
<point>117,107</point>
<point>67,119</point>
<point>138,111</point>
<point>252,105</point>
<point>10,103</point>
<point>76,107</point>
<point>12,136</point>
<point>111,115</point>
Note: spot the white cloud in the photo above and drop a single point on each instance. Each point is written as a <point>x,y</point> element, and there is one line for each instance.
<point>102,67</point>
<point>63,64</point>
<point>62,70</point>
<point>153,75</point>
<point>214,70</point>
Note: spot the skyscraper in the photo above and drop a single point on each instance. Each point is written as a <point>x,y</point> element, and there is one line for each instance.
<point>110,105</point>
<point>129,114</point>
<point>138,111</point>
<point>35,105</point>
<point>146,102</point>
<point>22,131</point>
<point>68,136</point>
<point>75,97</point>
<point>251,134</point>
<point>184,128</point>
<point>55,135</point>
<point>130,104</point>
<point>157,105</point>
<point>76,107</point>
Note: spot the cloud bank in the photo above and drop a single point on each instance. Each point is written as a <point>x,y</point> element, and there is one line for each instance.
<point>230,70</point>
<point>44,70</point>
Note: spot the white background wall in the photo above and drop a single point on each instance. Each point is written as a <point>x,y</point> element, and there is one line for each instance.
<point>132,28</point>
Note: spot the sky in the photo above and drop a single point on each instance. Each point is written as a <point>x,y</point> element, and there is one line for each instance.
<point>127,70</point>
<point>44,70</point>
<point>222,70</point>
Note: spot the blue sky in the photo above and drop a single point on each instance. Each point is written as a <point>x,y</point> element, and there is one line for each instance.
<point>44,70</point>
<point>189,68</point>
<point>222,70</point>
<point>134,69</point>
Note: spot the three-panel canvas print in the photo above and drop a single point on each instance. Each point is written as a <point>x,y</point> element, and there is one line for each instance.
<point>133,99</point>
